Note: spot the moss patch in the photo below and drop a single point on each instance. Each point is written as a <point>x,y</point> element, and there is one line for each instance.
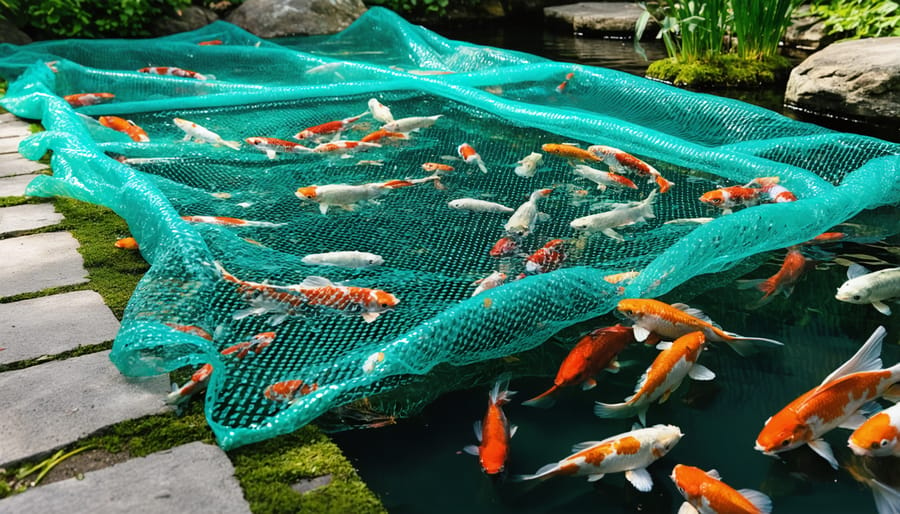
<point>727,70</point>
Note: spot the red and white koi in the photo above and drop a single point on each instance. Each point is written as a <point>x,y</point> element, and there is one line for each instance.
<point>879,436</point>
<point>781,282</point>
<point>288,390</point>
<point>227,221</point>
<point>727,198</point>
<point>348,259</point>
<point>836,402</point>
<point>344,146</point>
<point>705,493</point>
<point>562,85</point>
<point>347,196</point>
<point>380,112</point>
<point>475,205</point>
<point>870,287</point>
<point>197,383</point>
<point>494,431</point>
<point>272,146</point>
<point>676,361</point>
<point>528,165</point>
<point>523,219</point>
<point>620,216</point>
<point>468,154</point>
<point>630,452</point>
<point>491,281</point>
<point>504,247</point>
<point>256,345</point>
<point>174,72</point>
<point>547,258</point>
<point>190,329</point>
<point>603,179</point>
<point>620,161</point>
<point>202,134</point>
<point>128,127</point>
<point>676,320</point>
<point>593,353</point>
<point>84,99</point>
<point>411,124</point>
<point>331,127</point>
<point>772,190</point>
<point>571,152</point>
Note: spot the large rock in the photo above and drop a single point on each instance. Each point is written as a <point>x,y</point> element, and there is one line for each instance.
<point>852,79</point>
<point>192,18</point>
<point>276,18</point>
<point>608,19</point>
<point>807,32</point>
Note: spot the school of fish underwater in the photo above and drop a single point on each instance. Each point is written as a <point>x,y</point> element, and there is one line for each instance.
<point>633,272</point>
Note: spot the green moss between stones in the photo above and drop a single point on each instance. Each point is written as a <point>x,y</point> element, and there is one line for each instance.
<point>726,70</point>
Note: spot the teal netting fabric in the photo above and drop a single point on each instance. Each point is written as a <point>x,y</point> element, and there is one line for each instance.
<point>505,104</point>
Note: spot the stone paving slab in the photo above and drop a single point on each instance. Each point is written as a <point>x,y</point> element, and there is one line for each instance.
<point>54,324</point>
<point>14,130</point>
<point>14,164</point>
<point>15,186</point>
<point>195,477</point>
<point>606,18</point>
<point>27,217</point>
<point>36,262</point>
<point>48,406</point>
<point>9,145</point>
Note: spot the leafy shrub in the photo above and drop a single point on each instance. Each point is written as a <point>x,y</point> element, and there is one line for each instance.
<point>87,18</point>
<point>859,18</point>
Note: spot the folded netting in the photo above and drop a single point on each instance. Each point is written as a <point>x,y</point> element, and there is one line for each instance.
<point>237,279</point>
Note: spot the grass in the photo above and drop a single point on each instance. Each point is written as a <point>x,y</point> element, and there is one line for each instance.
<point>759,26</point>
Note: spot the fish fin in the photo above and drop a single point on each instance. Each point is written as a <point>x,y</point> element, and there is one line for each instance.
<point>642,414</point>
<point>665,397</point>
<point>701,372</point>
<point>477,428</point>
<point>882,308</point>
<point>316,281</point>
<point>544,400</point>
<point>471,450</point>
<point>853,422</point>
<point>614,410</point>
<point>887,499</point>
<point>744,345</point>
<point>697,313</point>
<point>601,187</point>
<point>277,319</point>
<point>663,345</point>
<point>271,154</point>
<point>234,145</point>
<point>823,449</point>
<point>640,333</point>
<point>323,208</point>
<point>608,232</point>
<point>892,394</point>
<point>369,317</point>
<point>640,479</point>
<point>541,474</point>
<point>856,271</point>
<point>714,473</point>
<point>512,430</point>
<point>687,508</point>
<point>749,284</point>
<point>577,447</point>
<point>481,166</point>
<point>867,358</point>
<point>588,384</point>
<point>595,477</point>
<point>614,367</point>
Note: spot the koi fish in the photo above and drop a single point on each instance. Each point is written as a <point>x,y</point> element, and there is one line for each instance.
<point>203,135</point>
<point>781,282</point>
<point>620,161</point>
<point>826,237</point>
<point>127,127</point>
<point>84,99</point>
<point>341,145</point>
<point>468,154</point>
<point>272,146</point>
<point>594,352</point>
<point>411,124</point>
<point>618,278</point>
<point>255,345</point>
<point>547,258</point>
<point>174,72</point>
<point>887,498</point>
<point>229,222</point>
<point>522,221</point>
<point>773,191</point>
<point>704,492</point>
<point>127,243</point>
<point>863,286</point>
<point>494,432</point>
<point>621,216</point>
<point>528,165</point>
<point>727,198</point>
<point>332,127</point>
<point>190,329</point>
<point>570,152</point>
<point>197,383</point>
<point>689,221</point>
<point>489,282</point>
<point>433,167</point>
<point>351,259</point>
<point>562,86</point>
<point>380,134</point>
<point>676,320</point>
<point>347,196</point>
<point>836,402</point>
<point>603,179</point>
<point>630,452</point>
<point>474,205</point>
<point>879,436</point>
<point>288,390</point>
<point>380,112</point>
<point>504,247</point>
<point>677,361</point>
<point>210,42</point>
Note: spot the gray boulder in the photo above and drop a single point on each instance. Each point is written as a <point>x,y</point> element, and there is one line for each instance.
<point>610,19</point>
<point>806,31</point>
<point>192,18</point>
<point>852,79</point>
<point>276,18</point>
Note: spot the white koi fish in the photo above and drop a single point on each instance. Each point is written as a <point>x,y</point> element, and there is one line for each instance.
<point>621,216</point>
<point>489,282</point>
<point>474,205</point>
<point>863,286</point>
<point>203,135</point>
<point>380,111</point>
<point>350,259</point>
<point>528,165</point>
<point>603,179</point>
<point>523,219</point>
<point>197,384</point>
<point>347,196</point>
<point>411,124</point>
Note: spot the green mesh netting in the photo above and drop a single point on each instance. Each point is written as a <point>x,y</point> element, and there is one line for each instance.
<point>505,104</point>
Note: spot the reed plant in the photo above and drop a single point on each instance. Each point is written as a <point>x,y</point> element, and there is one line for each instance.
<point>759,25</point>
<point>692,31</point>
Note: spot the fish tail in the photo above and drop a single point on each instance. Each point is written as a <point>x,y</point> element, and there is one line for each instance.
<point>234,145</point>
<point>481,165</point>
<point>393,184</point>
<point>543,473</point>
<point>500,394</point>
<point>616,410</point>
<point>544,400</point>
<point>225,275</point>
<point>663,184</point>
<point>745,346</point>
<point>887,499</point>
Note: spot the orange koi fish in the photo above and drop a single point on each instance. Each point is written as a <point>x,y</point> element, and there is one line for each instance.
<point>210,42</point>
<point>494,432</point>
<point>127,243</point>
<point>781,282</point>
<point>84,99</point>
<point>677,361</point>
<point>826,237</point>
<point>468,154</point>
<point>380,134</point>
<point>547,258</point>
<point>272,146</point>
<point>727,198</point>
<point>198,382</point>
<point>630,452</point>
<point>433,167</point>
<point>620,162</point>
<point>834,403</point>
<point>772,190</point>
<point>618,278</point>
<point>705,492</point>
<point>879,436</point>
<point>570,152</point>
<point>594,352</point>
<point>342,145</point>
<point>174,72</point>
<point>489,282</point>
<point>676,320</point>
<point>287,391</point>
<point>347,196</point>
<point>504,247</point>
<point>128,127</point>
<point>229,222</point>
<point>332,127</point>
<point>255,345</point>
<point>562,86</point>
<point>190,329</point>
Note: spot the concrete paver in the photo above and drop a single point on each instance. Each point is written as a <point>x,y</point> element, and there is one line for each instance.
<point>28,217</point>
<point>54,324</point>
<point>13,164</point>
<point>13,129</point>
<point>195,477</point>
<point>48,406</point>
<point>9,145</point>
<point>15,185</point>
<point>36,262</point>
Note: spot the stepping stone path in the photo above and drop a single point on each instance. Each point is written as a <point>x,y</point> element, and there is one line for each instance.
<point>50,403</point>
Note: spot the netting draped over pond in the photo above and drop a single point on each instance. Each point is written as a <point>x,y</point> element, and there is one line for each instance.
<point>505,104</point>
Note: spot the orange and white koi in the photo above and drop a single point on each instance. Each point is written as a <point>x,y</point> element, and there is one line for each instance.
<point>781,282</point>
<point>202,134</point>
<point>879,436</point>
<point>603,179</point>
<point>411,124</point>
<point>836,402</point>
<point>494,431</point>
<point>772,190</point>
<point>380,134</point>
<point>675,362</point>
<point>727,198</point>
<point>620,161</point>
<point>433,167</point>
<point>174,72</point>
<point>562,85</point>
<point>705,493</point>
<point>229,222</point>
<point>491,281</point>
<point>190,329</point>
<point>593,353</point>
<point>347,259</point>
<point>332,127</point>
<point>343,146</point>
<point>272,146</point>
<point>528,165</point>
<point>256,345</point>
<point>870,287</point>
<point>630,452</point>
<point>84,99</point>
<point>547,258</point>
<point>197,383</point>
<point>618,278</point>
<point>620,216</point>
<point>522,221</point>
<point>676,320</point>
<point>288,390</point>
<point>380,112</point>
<point>468,154</point>
<point>347,196</point>
<point>570,152</point>
<point>475,205</point>
<point>127,127</point>
<point>504,247</point>
<point>127,243</point>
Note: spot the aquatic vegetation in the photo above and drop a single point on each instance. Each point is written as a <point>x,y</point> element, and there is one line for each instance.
<point>759,26</point>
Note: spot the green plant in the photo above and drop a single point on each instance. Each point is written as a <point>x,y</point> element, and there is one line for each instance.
<point>88,18</point>
<point>859,18</point>
<point>759,26</point>
<point>691,31</point>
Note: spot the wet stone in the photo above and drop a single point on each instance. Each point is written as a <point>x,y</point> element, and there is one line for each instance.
<point>195,477</point>
<point>15,186</point>
<point>36,262</point>
<point>605,19</point>
<point>54,324</point>
<point>27,217</point>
